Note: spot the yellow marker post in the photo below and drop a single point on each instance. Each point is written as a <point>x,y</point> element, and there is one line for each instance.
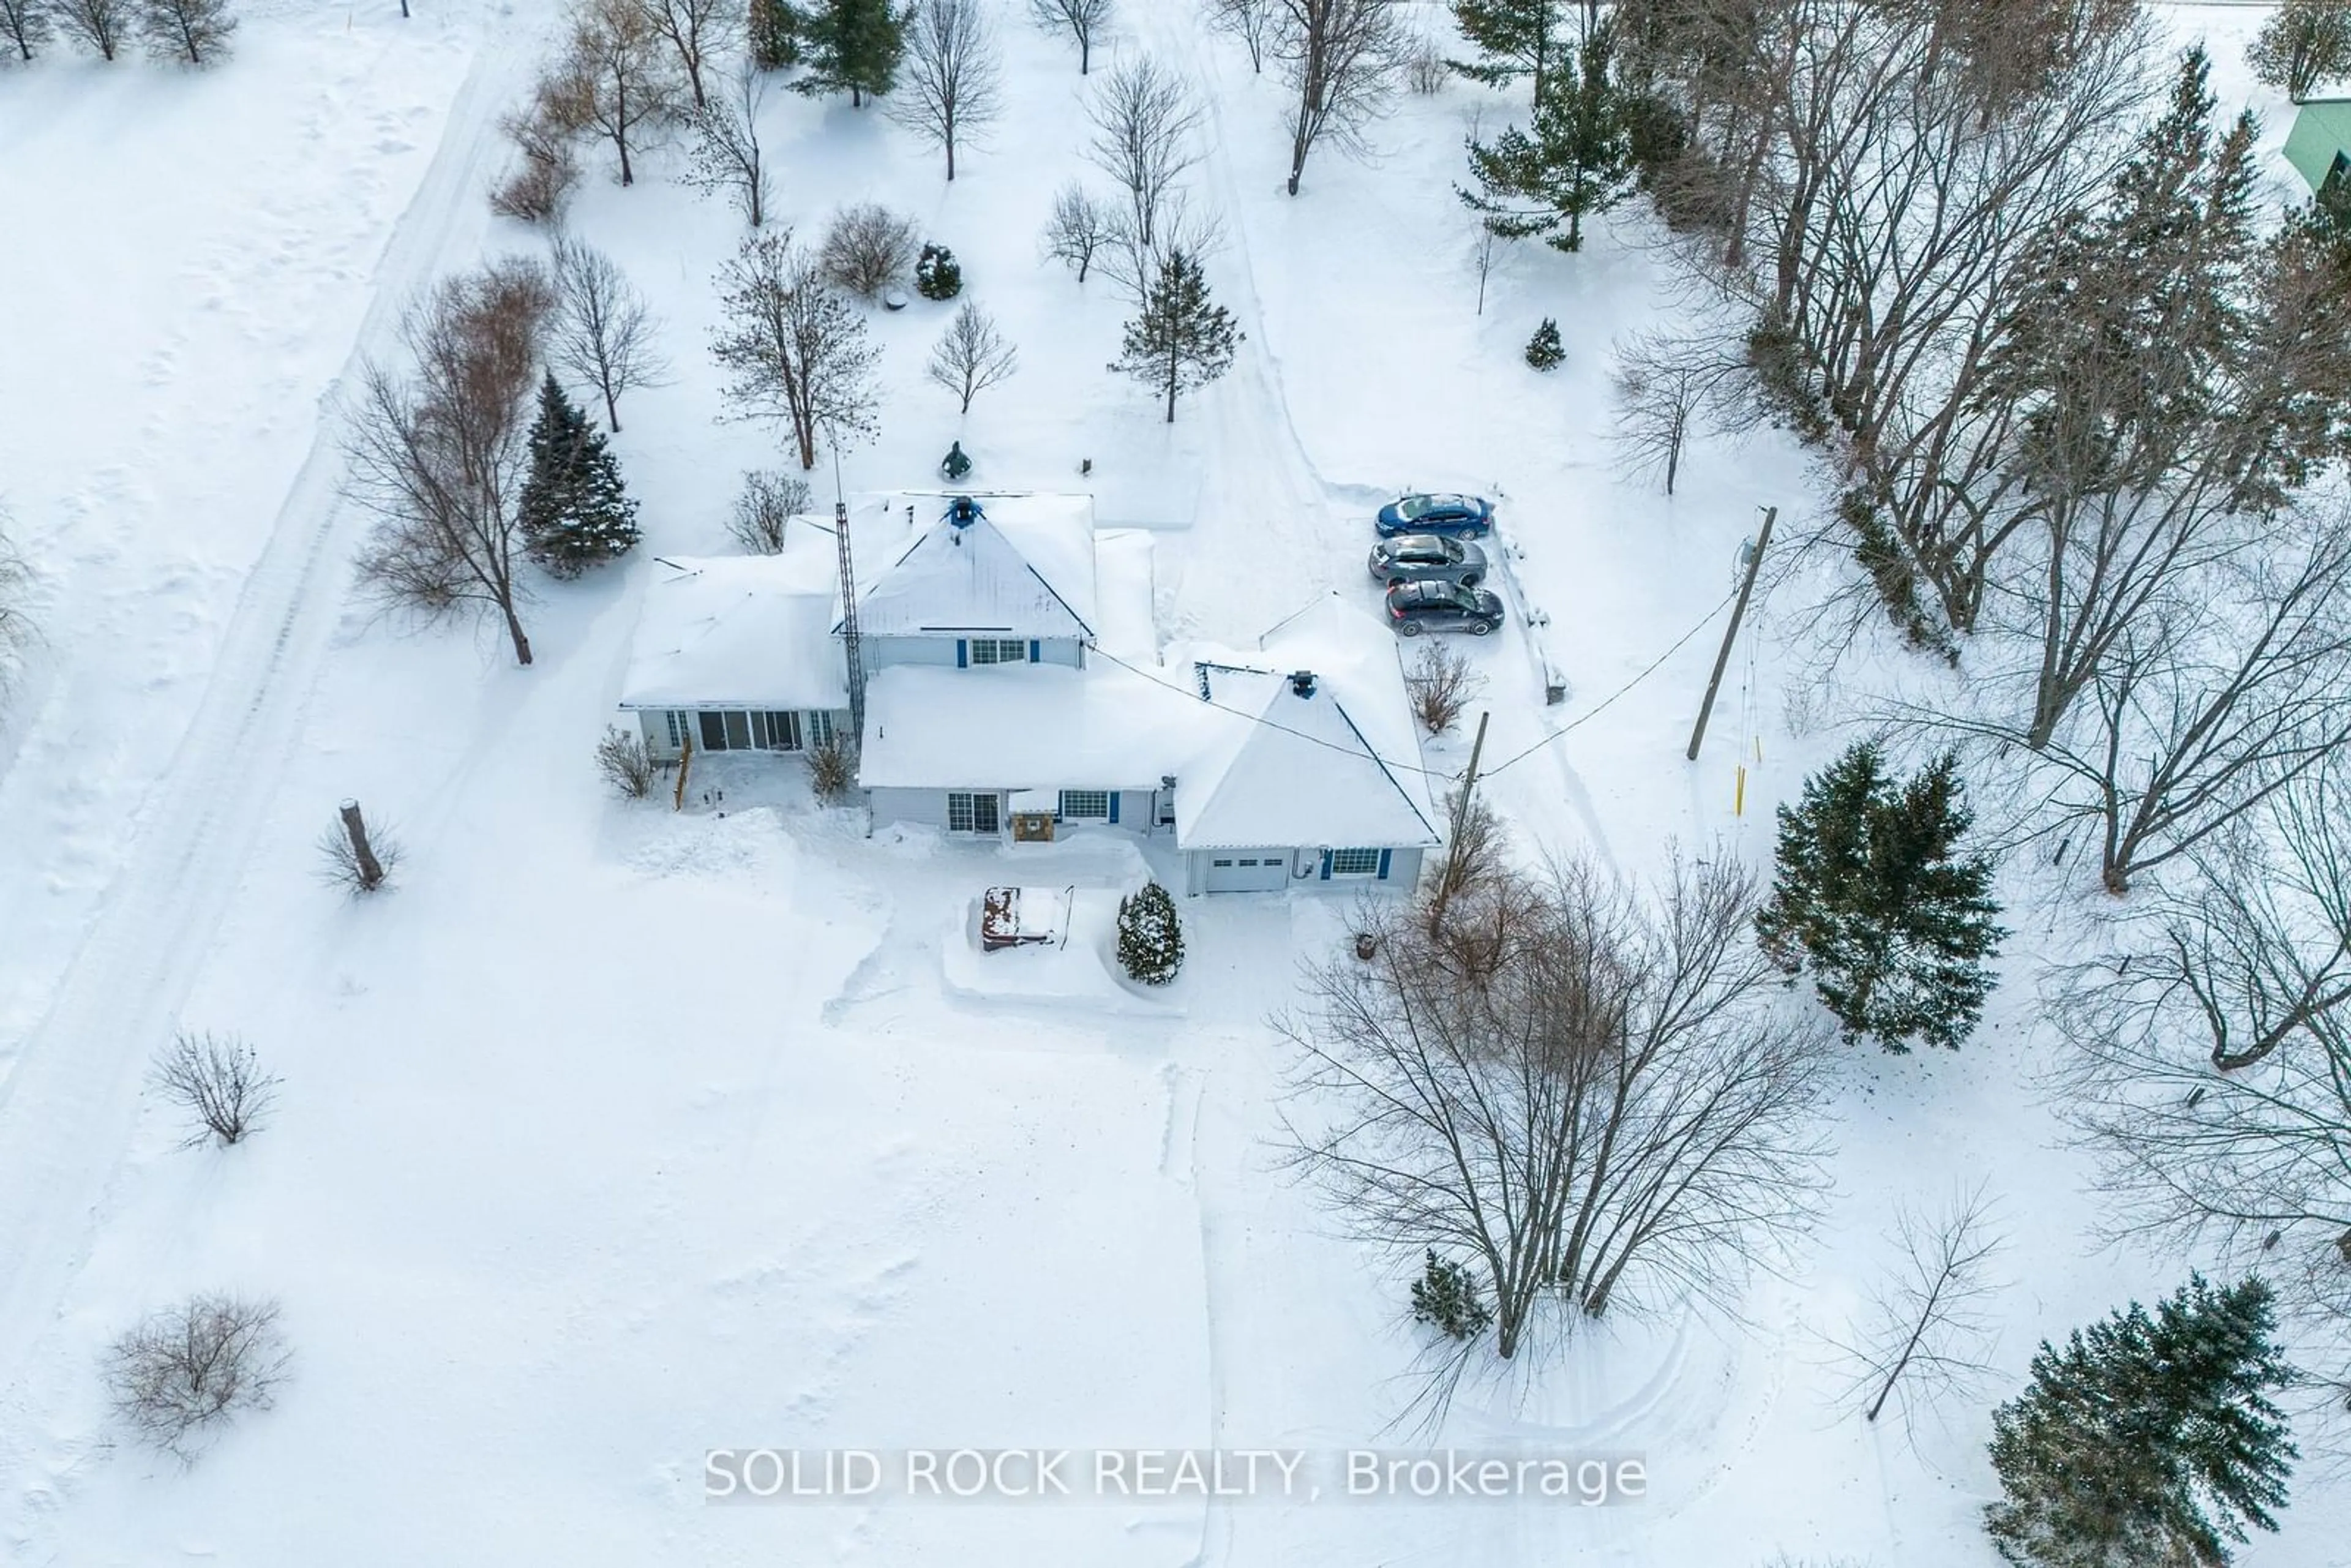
<point>1739,801</point>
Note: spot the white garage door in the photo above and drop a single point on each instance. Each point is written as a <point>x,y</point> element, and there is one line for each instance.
<point>1249,871</point>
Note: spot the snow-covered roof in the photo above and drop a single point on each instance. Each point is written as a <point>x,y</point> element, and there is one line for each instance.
<point>1335,760</point>
<point>1255,762</point>
<point>753,631</point>
<point>1125,623</point>
<point>1022,726</point>
<point>1016,565</point>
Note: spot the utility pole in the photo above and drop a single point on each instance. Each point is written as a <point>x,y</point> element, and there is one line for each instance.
<point>1731,633</point>
<point>1444,888</point>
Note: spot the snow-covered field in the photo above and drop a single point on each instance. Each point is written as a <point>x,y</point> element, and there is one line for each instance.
<point>615,1135</point>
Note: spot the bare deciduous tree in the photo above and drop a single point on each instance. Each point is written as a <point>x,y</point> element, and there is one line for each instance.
<point>192,1367</point>
<point>218,1080</point>
<point>102,24</point>
<point>24,25</point>
<point>695,30</point>
<point>1474,862</point>
<point>603,332</point>
<point>1079,227</point>
<point>2204,706</point>
<point>1663,382</point>
<point>726,156</point>
<point>1443,685</point>
<point>437,454</point>
<point>1144,123</point>
<point>1927,1332</point>
<point>1250,21</point>
<point>194,30</point>
<point>1083,20</point>
<point>1134,265</point>
<point>867,248</point>
<point>1598,1100</point>
<point>620,75</point>
<point>798,350</point>
<point>948,87</point>
<point>2214,1054</point>
<point>971,356</point>
<point>546,133</point>
<point>763,511</point>
<point>1340,58</point>
<point>625,762</point>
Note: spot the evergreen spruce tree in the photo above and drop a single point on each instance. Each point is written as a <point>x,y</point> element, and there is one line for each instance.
<point>1576,160</point>
<point>1182,340</point>
<point>852,46</point>
<point>2148,1440</point>
<point>1513,37</point>
<point>1150,936</point>
<point>774,34</point>
<point>1873,897</point>
<point>575,510</point>
<point>1543,351</point>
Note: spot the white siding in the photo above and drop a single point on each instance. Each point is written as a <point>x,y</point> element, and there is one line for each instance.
<point>924,808</point>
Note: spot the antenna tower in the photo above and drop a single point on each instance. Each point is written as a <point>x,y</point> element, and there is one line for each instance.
<point>852,650</point>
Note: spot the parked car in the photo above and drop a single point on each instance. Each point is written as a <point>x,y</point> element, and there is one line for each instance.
<point>1464,517</point>
<point>1427,557</point>
<point>1417,607</point>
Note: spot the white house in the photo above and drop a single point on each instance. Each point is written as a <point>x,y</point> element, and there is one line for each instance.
<point>1014,684</point>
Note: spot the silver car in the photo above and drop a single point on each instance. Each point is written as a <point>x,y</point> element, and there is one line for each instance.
<point>1427,557</point>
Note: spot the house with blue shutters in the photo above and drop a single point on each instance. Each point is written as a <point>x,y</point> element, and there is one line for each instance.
<point>1015,689</point>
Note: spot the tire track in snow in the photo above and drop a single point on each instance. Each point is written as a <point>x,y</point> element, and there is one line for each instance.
<point>69,1109</point>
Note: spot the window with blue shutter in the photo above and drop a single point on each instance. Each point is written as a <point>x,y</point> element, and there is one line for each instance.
<point>1114,794</point>
<point>962,654</point>
<point>1033,646</point>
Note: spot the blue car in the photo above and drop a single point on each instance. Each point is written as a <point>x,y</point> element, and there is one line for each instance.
<point>1462,517</point>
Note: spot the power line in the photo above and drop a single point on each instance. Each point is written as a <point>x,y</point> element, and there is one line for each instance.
<point>1650,669</point>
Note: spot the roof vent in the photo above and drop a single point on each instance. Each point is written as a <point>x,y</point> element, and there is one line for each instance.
<point>1302,683</point>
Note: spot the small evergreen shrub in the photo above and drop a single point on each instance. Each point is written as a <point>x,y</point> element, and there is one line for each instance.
<point>1871,895</point>
<point>1446,1298</point>
<point>938,275</point>
<point>1543,351</point>
<point>1150,937</point>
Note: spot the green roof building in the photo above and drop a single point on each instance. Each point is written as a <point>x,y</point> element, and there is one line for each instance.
<point>2319,145</point>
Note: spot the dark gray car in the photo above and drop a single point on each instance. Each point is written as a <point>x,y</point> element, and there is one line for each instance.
<point>1417,607</point>
<point>1427,558</point>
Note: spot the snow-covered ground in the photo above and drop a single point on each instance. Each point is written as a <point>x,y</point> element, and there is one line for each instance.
<point>614,1134</point>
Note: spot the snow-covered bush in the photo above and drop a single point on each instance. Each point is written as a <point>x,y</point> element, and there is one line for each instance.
<point>868,248</point>
<point>217,1080</point>
<point>769,501</point>
<point>938,275</point>
<point>1150,936</point>
<point>194,1367</point>
<point>626,762</point>
<point>1446,1298</point>
<point>1543,351</point>
<point>833,772</point>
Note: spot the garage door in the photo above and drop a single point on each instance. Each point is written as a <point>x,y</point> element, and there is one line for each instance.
<point>1249,871</point>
